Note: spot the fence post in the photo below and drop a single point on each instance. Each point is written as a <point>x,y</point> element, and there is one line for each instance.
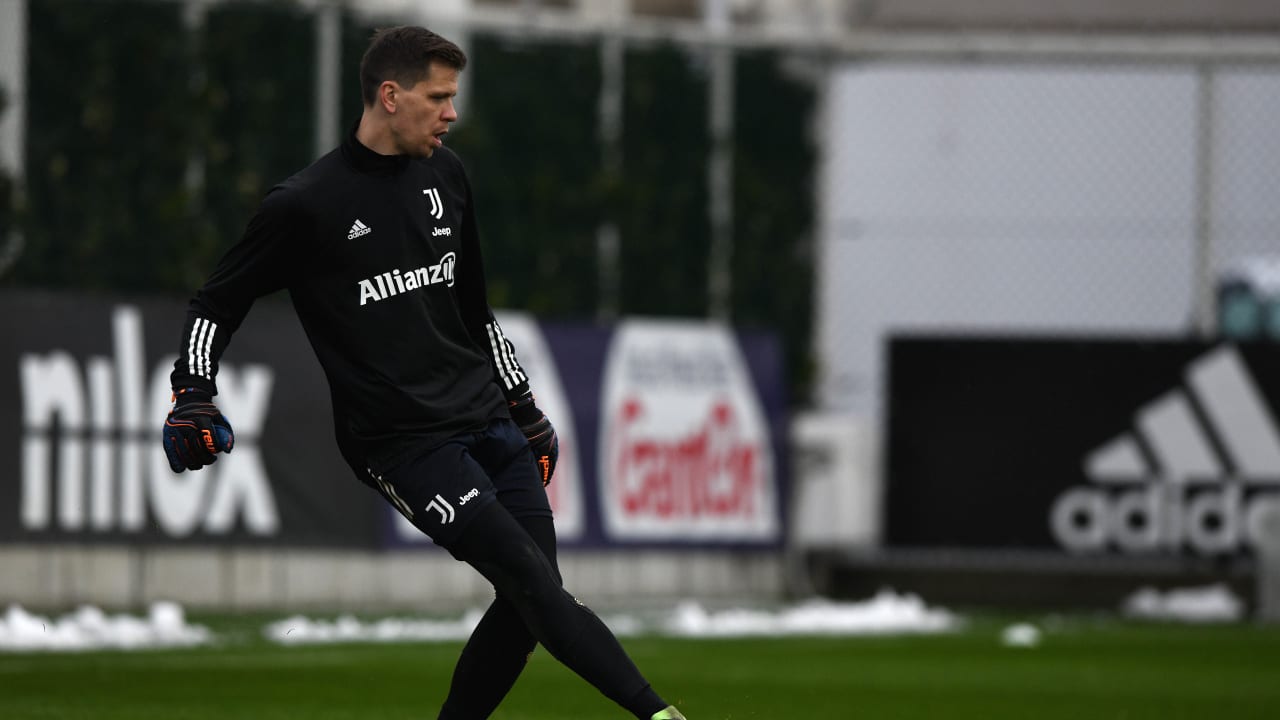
<point>328,93</point>
<point>13,115</point>
<point>1267,571</point>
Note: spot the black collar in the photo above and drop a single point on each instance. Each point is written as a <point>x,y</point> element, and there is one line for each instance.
<point>367,161</point>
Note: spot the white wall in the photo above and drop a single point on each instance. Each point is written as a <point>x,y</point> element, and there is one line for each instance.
<point>1025,198</point>
<point>60,576</point>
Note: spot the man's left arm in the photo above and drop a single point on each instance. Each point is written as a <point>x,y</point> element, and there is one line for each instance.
<point>473,303</point>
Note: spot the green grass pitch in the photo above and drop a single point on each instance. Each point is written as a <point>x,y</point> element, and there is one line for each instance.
<point>1084,669</point>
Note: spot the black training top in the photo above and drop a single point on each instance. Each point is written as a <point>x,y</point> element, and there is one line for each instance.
<point>381,257</point>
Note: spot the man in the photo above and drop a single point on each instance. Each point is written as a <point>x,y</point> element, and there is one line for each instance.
<point>377,245</point>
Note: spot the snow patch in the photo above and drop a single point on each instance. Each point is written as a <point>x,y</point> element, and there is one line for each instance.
<point>88,628</point>
<point>886,613</point>
<point>1211,603</point>
<point>1020,635</point>
<point>299,630</point>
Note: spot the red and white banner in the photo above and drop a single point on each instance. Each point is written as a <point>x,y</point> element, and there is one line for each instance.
<point>685,452</point>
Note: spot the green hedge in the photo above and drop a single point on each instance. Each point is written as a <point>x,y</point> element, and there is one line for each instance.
<point>257,101</point>
<point>153,144</point>
<point>527,132</point>
<point>774,160</point>
<point>108,143</point>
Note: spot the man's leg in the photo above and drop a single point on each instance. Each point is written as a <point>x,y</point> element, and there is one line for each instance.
<point>500,646</point>
<point>466,495</point>
<point>498,649</point>
<point>430,490</point>
<point>504,552</point>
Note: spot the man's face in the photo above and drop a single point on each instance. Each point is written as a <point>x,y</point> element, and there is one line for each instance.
<point>424,112</point>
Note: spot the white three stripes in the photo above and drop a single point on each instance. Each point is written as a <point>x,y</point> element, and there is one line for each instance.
<point>390,492</point>
<point>510,371</point>
<point>200,348</point>
<point>1233,402</point>
<point>1234,409</point>
<point>1170,428</point>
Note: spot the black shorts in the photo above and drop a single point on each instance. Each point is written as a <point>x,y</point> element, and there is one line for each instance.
<point>442,489</point>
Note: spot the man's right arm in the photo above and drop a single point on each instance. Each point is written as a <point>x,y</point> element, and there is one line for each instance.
<point>195,429</point>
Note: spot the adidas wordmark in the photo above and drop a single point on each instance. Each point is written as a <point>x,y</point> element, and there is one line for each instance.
<point>357,229</point>
<point>1199,471</point>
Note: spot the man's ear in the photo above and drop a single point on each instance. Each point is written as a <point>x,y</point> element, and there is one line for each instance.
<point>387,92</point>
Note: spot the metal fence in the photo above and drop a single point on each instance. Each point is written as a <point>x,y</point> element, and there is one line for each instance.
<point>616,174</point>
<point>1025,194</point>
<point>839,185</point>
<point>835,183</point>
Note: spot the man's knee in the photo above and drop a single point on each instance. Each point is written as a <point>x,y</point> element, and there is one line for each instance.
<point>507,555</point>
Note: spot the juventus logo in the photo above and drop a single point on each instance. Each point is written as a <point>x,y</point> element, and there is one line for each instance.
<point>443,507</point>
<point>437,205</point>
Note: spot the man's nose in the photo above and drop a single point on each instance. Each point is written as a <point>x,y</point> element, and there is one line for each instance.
<point>450,113</point>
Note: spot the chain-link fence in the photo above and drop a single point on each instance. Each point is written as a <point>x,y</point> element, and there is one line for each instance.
<point>589,154</point>
<point>879,184</point>
<point>1028,195</point>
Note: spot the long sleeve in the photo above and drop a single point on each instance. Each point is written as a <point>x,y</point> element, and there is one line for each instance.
<point>255,266</point>
<point>473,303</point>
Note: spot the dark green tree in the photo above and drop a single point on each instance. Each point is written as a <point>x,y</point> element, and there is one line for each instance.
<point>773,207</point>
<point>527,132</point>
<point>108,141</point>
<point>150,150</point>
<point>259,110</point>
<point>661,199</point>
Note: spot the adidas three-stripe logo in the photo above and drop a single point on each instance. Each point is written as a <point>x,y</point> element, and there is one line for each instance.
<point>504,357</point>
<point>357,229</point>
<point>200,348</point>
<point>389,492</point>
<point>1180,477</point>
<point>1238,436</point>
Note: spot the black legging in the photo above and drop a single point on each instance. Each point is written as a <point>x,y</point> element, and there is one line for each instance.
<point>531,606</point>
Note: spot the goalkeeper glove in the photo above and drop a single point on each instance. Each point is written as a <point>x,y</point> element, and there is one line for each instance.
<point>195,430</point>
<point>537,429</point>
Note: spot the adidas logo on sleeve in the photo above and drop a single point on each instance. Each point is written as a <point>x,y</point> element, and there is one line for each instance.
<point>357,229</point>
